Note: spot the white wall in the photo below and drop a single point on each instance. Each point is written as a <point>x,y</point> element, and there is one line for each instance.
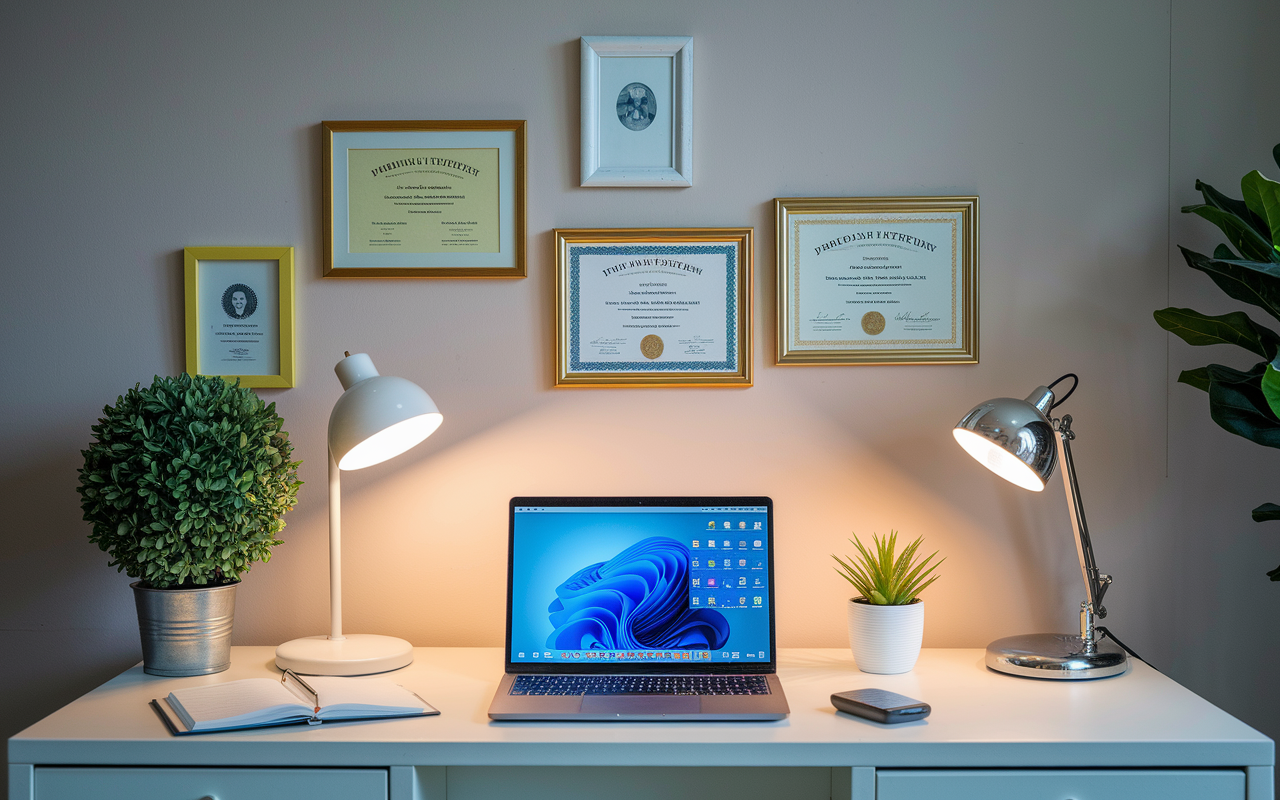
<point>134,131</point>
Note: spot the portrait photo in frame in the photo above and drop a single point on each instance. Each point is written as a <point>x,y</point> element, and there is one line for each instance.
<point>877,280</point>
<point>239,314</point>
<point>637,111</point>
<point>423,199</point>
<point>653,306</point>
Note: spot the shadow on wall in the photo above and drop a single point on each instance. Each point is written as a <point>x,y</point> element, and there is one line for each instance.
<point>67,621</point>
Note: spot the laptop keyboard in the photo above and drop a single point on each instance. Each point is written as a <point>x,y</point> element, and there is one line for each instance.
<point>639,684</point>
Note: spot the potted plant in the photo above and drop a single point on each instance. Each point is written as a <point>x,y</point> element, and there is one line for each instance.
<point>1246,403</point>
<point>186,484</point>
<point>886,619</point>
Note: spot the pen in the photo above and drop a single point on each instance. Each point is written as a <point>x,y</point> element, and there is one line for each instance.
<point>314,694</point>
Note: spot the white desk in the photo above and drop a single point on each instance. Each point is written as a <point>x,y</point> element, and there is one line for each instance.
<point>990,735</point>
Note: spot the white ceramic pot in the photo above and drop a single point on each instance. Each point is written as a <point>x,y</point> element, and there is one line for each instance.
<point>885,639</point>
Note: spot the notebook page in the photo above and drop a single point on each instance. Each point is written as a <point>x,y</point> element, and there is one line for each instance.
<point>343,697</point>
<point>236,703</point>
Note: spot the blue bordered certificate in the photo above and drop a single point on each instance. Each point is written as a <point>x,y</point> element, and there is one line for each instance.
<point>654,307</point>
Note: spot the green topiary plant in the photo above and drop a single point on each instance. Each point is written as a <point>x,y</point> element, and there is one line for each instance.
<point>187,481</point>
<point>1244,403</point>
<point>884,578</point>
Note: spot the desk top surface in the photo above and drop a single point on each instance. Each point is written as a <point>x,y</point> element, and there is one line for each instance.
<point>980,718</point>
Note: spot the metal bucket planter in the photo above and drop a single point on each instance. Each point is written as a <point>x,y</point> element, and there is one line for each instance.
<point>185,631</point>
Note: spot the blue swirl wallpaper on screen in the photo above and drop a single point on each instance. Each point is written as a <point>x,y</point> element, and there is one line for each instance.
<point>637,600</point>
<point>638,584</point>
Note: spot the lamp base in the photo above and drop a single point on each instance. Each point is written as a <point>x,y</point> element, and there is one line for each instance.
<point>357,654</point>
<point>1055,656</point>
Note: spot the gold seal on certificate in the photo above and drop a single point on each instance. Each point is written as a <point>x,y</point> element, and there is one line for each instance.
<point>653,307</point>
<point>651,346</point>
<point>877,280</point>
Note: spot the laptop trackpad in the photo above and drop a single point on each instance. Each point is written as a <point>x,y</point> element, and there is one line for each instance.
<point>647,705</point>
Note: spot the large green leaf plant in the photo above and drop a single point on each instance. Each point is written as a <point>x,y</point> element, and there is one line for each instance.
<point>1246,403</point>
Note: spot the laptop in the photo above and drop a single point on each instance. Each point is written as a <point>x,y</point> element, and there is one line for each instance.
<point>640,608</point>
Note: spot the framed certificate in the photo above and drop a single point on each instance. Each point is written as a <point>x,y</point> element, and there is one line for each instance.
<point>653,307</point>
<point>424,199</point>
<point>637,111</point>
<point>877,280</point>
<point>240,314</point>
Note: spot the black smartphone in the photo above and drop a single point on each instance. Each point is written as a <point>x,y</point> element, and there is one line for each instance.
<point>881,706</point>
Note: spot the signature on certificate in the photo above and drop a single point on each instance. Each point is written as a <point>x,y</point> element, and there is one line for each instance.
<point>608,346</point>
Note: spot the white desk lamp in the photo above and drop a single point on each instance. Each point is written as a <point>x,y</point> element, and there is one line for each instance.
<point>377,417</point>
<point>1017,440</point>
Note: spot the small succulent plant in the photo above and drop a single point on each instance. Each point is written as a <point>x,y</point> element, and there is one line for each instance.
<point>884,577</point>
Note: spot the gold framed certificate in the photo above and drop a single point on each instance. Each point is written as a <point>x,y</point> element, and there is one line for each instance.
<point>653,306</point>
<point>239,309</point>
<point>877,280</point>
<point>426,199</point>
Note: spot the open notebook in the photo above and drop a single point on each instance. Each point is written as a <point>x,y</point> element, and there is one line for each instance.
<point>261,702</point>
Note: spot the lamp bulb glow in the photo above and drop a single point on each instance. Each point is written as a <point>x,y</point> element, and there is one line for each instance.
<point>998,460</point>
<point>391,442</point>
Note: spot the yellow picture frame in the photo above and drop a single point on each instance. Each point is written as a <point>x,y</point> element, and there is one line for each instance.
<point>266,346</point>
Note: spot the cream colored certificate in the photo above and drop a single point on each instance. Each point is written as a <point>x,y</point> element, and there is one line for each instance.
<point>879,281</point>
<point>423,200</point>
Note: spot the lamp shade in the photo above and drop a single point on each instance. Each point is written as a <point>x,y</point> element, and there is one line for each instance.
<point>378,416</point>
<point>1012,438</point>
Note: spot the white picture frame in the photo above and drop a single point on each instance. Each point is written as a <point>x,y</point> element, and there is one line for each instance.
<point>648,139</point>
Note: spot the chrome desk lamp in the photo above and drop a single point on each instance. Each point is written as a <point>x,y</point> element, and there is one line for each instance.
<point>1017,440</point>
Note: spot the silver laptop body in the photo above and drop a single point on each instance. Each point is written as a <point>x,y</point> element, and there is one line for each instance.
<point>640,608</point>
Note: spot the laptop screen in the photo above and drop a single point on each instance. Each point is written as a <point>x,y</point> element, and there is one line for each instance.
<point>641,584</point>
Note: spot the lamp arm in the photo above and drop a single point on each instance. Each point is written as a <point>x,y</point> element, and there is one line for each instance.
<point>1095,582</point>
<point>335,550</point>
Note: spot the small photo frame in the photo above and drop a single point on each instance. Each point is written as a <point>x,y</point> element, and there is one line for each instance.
<point>877,280</point>
<point>423,199</point>
<point>239,308</point>
<point>637,111</point>
<point>653,307</point>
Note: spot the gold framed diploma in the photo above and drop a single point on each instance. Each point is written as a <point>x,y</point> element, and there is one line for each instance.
<point>877,280</point>
<point>239,309</point>
<point>425,199</point>
<point>653,306</point>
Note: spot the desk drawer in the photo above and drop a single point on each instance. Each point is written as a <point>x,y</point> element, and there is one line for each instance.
<point>1053,784</point>
<point>194,783</point>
